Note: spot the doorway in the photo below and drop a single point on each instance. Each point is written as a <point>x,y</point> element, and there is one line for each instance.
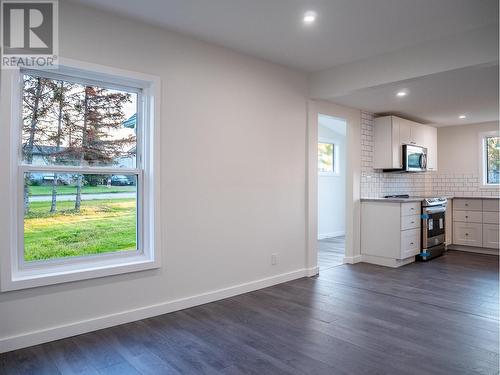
<point>331,167</point>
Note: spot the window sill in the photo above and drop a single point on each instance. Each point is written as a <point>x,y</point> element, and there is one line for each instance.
<point>46,274</point>
<point>490,187</point>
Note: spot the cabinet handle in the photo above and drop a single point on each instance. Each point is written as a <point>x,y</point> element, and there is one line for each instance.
<point>466,216</point>
<point>467,205</point>
<point>413,222</point>
<point>466,234</point>
<point>411,243</point>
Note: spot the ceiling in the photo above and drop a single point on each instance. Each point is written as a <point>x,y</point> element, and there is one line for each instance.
<point>437,99</point>
<point>334,124</point>
<point>345,30</point>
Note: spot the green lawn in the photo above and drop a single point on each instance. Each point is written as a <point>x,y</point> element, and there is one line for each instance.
<point>101,226</point>
<point>71,189</point>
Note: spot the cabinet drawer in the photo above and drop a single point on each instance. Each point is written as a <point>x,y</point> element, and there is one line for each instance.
<point>468,234</point>
<point>491,218</point>
<point>492,205</point>
<point>491,236</point>
<point>467,204</point>
<point>410,208</point>
<point>410,243</point>
<point>410,222</point>
<point>467,216</point>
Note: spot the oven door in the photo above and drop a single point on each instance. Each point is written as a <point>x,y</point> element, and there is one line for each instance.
<point>414,158</point>
<point>433,228</point>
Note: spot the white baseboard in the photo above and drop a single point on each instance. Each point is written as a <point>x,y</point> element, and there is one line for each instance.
<point>59,332</point>
<point>312,271</point>
<point>331,234</point>
<point>472,249</point>
<point>387,262</point>
<point>353,260</point>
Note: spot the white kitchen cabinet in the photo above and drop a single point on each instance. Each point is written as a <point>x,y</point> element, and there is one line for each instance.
<point>468,234</point>
<point>475,224</point>
<point>430,142</point>
<point>491,236</point>
<point>390,232</point>
<point>390,133</point>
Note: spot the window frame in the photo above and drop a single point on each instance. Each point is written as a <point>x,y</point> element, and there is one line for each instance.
<point>336,165</point>
<point>483,162</point>
<point>15,272</point>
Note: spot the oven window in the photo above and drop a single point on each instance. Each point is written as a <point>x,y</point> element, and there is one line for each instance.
<point>435,224</point>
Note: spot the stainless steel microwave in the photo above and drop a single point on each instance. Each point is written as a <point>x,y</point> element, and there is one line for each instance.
<point>414,158</point>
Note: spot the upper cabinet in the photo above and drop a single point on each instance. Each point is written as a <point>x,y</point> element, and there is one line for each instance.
<point>390,133</point>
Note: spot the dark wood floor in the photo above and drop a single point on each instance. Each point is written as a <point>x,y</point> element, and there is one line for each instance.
<point>331,252</point>
<point>439,317</point>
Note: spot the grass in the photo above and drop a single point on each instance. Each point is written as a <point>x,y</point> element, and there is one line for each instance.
<point>71,189</point>
<point>101,226</point>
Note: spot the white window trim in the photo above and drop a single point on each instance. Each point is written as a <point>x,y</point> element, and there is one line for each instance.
<point>336,163</point>
<point>482,159</point>
<point>13,275</point>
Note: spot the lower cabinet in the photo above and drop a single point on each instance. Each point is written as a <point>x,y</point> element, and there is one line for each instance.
<point>390,232</point>
<point>468,234</point>
<point>476,223</point>
<point>491,236</point>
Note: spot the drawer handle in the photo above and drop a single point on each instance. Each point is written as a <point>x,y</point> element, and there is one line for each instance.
<point>466,216</point>
<point>467,205</point>
<point>412,208</point>
<point>466,234</point>
<point>411,243</point>
<point>413,222</point>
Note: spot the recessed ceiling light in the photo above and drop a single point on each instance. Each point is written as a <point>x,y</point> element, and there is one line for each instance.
<point>462,117</point>
<point>401,93</point>
<point>309,17</point>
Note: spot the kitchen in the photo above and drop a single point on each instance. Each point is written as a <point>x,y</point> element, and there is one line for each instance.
<point>424,212</point>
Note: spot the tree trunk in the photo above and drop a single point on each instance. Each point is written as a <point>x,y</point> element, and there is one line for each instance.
<point>78,201</point>
<point>53,205</point>
<point>31,142</point>
<point>79,181</point>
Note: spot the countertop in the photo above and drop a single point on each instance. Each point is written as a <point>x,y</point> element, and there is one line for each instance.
<point>416,199</point>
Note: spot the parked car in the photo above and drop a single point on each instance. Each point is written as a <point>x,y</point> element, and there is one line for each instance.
<point>121,180</point>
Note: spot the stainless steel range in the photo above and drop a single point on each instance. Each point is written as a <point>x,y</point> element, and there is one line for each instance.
<point>433,227</point>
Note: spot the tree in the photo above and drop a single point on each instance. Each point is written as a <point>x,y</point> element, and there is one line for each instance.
<point>102,117</point>
<point>63,100</point>
<point>36,103</point>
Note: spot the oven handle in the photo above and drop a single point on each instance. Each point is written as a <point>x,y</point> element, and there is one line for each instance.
<point>434,210</point>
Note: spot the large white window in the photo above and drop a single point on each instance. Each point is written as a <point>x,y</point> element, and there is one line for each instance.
<point>490,159</point>
<point>84,200</point>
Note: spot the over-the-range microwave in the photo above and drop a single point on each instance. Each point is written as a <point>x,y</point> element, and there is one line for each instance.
<point>414,159</point>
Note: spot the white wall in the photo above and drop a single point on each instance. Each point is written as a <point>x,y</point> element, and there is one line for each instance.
<point>331,189</point>
<point>459,147</point>
<point>222,216</point>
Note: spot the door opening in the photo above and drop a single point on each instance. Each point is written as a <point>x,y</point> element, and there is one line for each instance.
<point>331,191</point>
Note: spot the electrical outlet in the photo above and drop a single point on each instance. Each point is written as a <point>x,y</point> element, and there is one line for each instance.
<point>274,259</point>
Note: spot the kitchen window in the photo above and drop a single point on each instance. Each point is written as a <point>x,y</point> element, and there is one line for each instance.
<point>82,174</point>
<point>490,159</point>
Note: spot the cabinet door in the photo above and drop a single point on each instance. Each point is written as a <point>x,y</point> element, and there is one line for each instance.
<point>430,142</point>
<point>410,243</point>
<point>404,131</point>
<point>490,236</point>
<point>468,234</point>
<point>418,135</point>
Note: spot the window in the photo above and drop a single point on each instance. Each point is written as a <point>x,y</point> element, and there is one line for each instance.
<point>492,160</point>
<point>84,174</point>
<point>66,124</point>
<point>328,158</point>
